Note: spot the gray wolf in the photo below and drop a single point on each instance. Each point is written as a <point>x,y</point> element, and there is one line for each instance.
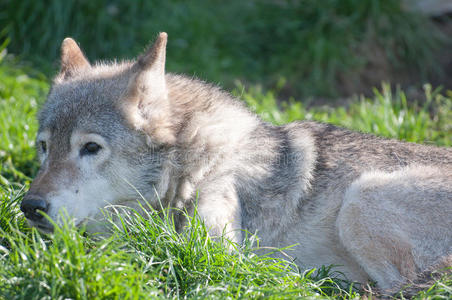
<point>380,209</point>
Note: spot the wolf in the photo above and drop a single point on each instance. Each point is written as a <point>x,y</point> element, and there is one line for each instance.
<point>379,209</point>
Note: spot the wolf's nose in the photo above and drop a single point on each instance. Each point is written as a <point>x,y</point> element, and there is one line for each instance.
<point>32,206</point>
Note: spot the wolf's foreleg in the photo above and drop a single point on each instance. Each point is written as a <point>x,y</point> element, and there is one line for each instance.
<point>221,213</point>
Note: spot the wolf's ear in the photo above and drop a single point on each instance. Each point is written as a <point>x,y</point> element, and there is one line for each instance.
<point>147,102</point>
<point>72,58</point>
<point>154,58</point>
<point>149,71</point>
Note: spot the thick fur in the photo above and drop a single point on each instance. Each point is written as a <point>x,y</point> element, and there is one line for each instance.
<point>380,209</point>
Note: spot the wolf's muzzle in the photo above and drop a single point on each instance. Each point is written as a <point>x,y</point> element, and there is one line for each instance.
<point>31,207</point>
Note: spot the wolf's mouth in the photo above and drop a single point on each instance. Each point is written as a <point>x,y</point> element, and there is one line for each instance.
<point>80,223</point>
<point>44,228</point>
<point>48,228</point>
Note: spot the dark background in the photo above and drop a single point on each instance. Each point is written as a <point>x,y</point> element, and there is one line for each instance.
<point>308,48</point>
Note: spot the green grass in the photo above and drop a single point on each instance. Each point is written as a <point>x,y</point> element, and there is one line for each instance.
<point>19,97</point>
<point>150,259</point>
<point>315,45</point>
<point>388,113</point>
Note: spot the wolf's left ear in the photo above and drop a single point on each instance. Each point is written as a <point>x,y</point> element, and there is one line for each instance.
<point>72,59</point>
<point>149,70</point>
<point>154,58</point>
<point>147,102</point>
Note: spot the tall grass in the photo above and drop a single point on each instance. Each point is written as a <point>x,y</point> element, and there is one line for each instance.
<point>149,259</point>
<point>68,265</point>
<point>20,95</point>
<point>389,113</point>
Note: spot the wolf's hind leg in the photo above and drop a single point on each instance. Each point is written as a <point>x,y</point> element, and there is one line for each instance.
<point>398,224</point>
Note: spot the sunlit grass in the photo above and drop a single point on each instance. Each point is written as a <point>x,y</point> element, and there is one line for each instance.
<point>387,113</point>
<point>145,257</point>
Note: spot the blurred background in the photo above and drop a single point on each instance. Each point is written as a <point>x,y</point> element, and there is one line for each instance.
<point>323,50</point>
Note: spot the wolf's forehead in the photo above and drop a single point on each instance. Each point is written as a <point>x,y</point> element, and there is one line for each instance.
<point>100,91</point>
<point>86,106</point>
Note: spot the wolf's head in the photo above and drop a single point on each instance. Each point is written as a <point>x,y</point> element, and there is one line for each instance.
<point>103,133</point>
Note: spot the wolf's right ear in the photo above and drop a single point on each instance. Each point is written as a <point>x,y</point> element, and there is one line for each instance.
<point>72,59</point>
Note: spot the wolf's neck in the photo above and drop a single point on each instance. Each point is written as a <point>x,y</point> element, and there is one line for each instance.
<point>199,108</point>
<point>212,129</point>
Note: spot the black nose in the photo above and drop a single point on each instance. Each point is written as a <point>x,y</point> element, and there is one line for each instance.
<point>31,207</point>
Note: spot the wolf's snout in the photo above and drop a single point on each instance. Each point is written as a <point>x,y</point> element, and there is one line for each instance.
<point>31,207</point>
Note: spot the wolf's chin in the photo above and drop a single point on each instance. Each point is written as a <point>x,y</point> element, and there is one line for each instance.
<point>43,228</point>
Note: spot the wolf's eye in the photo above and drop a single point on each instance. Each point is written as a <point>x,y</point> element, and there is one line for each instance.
<point>43,146</point>
<point>90,148</point>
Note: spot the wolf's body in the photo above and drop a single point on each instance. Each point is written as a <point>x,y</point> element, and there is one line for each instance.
<point>379,208</point>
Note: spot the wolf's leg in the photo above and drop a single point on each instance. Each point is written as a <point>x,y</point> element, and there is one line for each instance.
<point>398,224</point>
<point>216,203</point>
<point>221,212</point>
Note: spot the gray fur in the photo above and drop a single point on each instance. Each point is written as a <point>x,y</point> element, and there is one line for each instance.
<point>380,208</point>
